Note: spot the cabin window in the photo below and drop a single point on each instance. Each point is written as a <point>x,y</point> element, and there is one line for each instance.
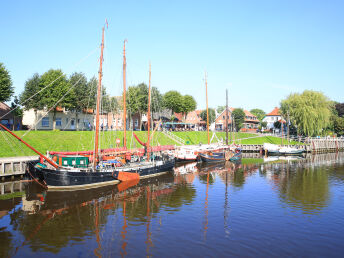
<point>45,122</point>
<point>58,121</point>
<point>81,162</point>
<point>65,162</point>
<point>73,162</point>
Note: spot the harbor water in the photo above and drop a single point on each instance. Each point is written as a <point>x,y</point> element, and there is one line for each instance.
<point>253,208</point>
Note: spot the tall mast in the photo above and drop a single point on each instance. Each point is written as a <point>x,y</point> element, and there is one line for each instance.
<point>124,101</point>
<point>148,115</point>
<point>98,102</point>
<point>226,118</point>
<point>206,95</point>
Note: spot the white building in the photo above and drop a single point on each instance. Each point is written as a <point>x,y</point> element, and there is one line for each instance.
<point>65,119</point>
<point>272,117</point>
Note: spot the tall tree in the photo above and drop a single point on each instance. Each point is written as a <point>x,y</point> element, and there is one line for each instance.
<point>239,118</point>
<point>56,94</point>
<point>340,109</point>
<point>211,113</point>
<point>173,100</point>
<point>80,94</point>
<point>157,100</point>
<point>17,111</point>
<point>6,88</point>
<point>189,104</point>
<point>309,111</point>
<point>31,97</point>
<point>260,114</point>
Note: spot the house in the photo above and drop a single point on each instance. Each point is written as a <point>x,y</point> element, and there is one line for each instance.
<point>272,117</point>
<point>65,119</point>
<point>250,124</point>
<point>194,118</point>
<point>8,119</point>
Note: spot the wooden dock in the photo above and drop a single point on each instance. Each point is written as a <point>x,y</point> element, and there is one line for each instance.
<point>14,166</point>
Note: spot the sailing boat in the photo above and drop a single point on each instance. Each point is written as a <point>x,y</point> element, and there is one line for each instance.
<point>56,175</point>
<point>225,153</point>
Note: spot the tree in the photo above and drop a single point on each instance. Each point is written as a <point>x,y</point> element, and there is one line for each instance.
<point>173,100</point>
<point>156,100</point>
<point>80,94</point>
<point>277,125</point>
<point>239,118</point>
<point>260,114</point>
<point>189,104</point>
<point>6,88</point>
<point>56,94</point>
<point>340,109</point>
<point>338,125</point>
<point>220,109</point>
<point>263,124</point>
<point>211,113</point>
<point>309,111</point>
<point>17,111</point>
<point>31,97</point>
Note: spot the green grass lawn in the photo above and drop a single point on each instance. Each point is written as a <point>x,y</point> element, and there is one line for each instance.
<point>79,140</point>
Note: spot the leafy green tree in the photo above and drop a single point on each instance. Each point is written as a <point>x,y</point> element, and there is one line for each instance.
<point>340,109</point>
<point>219,109</point>
<point>56,94</point>
<point>189,104</point>
<point>260,114</point>
<point>80,94</point>
<point>211,113</point>
<point>156,100</point>
<point>263,124</point>
<point>6,88</point>
<point>17,111</point>
<point>173,100</point>
<point>239,118</point>
<point>309,111</point>
<point>338,125</point>
<point>31,97</point>
<point>277,124</point>
<point>92,86</point>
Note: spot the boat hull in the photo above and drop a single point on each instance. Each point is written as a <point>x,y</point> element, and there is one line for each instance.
<point>279,153</point>
<point>218,156</point>
<point>61,179</point>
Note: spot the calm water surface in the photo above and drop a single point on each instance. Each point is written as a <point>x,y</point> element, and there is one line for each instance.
<point>254,208</point>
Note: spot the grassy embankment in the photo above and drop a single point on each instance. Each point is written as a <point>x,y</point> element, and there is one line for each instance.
<point>78,141</point>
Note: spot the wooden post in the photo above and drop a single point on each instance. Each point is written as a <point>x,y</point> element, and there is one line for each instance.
<point>226,118</point>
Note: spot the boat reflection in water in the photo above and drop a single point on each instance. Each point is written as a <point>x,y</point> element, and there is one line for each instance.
<point>235,209</point>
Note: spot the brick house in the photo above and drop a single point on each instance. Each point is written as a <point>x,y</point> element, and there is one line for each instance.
<point>250,124</point>
<point>9,120</point>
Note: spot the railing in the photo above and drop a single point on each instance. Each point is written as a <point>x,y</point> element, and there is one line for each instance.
<point>173,137</point>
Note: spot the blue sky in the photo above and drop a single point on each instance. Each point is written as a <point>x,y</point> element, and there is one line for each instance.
<point>261,51</point>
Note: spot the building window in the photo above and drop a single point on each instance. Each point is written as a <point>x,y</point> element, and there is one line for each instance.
<point>136,122</point>
<point>45,122</point>
<point>58,121</point>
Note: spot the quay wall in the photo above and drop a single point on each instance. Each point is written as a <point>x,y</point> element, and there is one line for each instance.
<point>15,166</point>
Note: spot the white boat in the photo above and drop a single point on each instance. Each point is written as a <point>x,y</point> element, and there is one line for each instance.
<point>274,149</point>
<point>190,152</point>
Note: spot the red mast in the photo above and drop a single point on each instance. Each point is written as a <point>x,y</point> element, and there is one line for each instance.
<point>148,115</point>
<point>32,148</point>
<point>124,101</point>
<point>96,142</point>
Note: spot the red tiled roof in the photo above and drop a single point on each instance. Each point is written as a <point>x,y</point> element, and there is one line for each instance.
<point>274,112</point>
<point>179,116</point>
